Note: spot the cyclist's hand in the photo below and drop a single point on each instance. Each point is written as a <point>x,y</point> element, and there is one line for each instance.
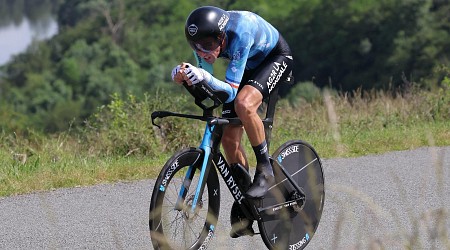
<point>177,74</point>
<point>193,74</point>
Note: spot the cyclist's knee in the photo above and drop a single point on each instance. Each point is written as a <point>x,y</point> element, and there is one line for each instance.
<point>247,102</point>
<point>244,108</point>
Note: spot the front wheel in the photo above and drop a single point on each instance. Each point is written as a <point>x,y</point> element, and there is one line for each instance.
<point>173,224</point>
<point>296,215</point>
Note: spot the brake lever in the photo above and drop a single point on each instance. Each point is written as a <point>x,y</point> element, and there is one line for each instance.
<point>154,116</point>
<point>159,114</point>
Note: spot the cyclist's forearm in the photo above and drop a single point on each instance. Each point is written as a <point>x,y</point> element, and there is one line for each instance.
<point>218,85</point>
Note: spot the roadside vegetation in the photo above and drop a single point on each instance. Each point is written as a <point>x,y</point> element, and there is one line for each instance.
<point>119,143</point>
<point>371,77</point>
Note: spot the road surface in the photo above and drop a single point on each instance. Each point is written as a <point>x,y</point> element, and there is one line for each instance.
<point>390,201</point>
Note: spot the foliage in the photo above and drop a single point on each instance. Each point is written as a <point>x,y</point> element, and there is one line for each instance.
<point>130,46</point>
<point>306,91</point>
<point>124,127</point>
<point>439,101</point>
<point>366,121</point>
<point>120,143</point>
<point>369,44</point>
<point>13,12</point>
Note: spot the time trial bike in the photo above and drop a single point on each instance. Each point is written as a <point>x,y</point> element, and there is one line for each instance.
<point>185,202</point>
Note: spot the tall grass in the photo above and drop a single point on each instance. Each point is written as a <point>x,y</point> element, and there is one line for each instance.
<point>120,143</point>
<point>367,122</point>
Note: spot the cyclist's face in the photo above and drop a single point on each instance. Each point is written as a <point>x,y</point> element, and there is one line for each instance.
<point>211,56</point>
<point>208,49</point>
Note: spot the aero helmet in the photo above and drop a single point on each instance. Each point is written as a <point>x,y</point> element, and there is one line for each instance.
<point>205,28</point>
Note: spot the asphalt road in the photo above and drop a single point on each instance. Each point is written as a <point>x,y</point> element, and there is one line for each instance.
<point>392,201</point>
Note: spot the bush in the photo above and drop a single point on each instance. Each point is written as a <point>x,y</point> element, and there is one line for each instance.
<point>304,91</point>
<point>124,127</point>
<point>439,101</point>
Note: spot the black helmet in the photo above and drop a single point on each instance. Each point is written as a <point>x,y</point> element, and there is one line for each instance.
<point>205,27</point>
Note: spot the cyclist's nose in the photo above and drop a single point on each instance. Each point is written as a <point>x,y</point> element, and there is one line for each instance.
<point>202,54</point>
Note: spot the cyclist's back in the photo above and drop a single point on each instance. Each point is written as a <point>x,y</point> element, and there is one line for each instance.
<point>250,40</point>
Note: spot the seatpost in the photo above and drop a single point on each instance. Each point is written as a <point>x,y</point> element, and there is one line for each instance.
<point>270,113</point>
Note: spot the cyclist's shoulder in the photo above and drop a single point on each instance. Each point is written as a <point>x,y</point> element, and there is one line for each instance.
<point>244,15</point>
<point>240,19</point>
<point>242,27</point>
<point>248,24</point>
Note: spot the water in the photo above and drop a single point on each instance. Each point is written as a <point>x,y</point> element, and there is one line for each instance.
<point>21,23</point>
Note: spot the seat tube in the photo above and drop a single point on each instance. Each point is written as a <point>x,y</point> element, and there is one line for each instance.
<point>270,113</point>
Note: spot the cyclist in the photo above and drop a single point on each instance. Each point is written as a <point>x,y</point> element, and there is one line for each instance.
<point>259,60</point>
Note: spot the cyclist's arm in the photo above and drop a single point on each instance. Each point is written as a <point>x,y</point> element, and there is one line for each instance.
<point>240,48</point>
<point>228,89</point>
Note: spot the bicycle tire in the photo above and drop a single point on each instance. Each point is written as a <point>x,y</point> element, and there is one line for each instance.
<point>172,228</point>
<point>300,221</point>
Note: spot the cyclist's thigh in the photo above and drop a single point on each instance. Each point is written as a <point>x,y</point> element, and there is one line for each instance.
<point>274,70</point>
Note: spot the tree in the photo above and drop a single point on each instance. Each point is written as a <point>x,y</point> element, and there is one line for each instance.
<point>130,47</point>
<point>369,44</point>
<point>107,9</point>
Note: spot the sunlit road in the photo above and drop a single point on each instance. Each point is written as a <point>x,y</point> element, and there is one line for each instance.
<point>385,200</point>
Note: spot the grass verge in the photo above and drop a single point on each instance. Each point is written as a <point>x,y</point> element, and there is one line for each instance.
<point>120,144</point>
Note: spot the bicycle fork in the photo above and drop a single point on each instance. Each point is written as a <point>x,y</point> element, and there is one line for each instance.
<point>206,146</point>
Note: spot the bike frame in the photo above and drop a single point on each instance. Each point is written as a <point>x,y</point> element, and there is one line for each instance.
<point>206,146</point>
<point>210,146</point>
<point>285,203</point>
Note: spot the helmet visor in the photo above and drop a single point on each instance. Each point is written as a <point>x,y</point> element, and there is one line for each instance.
<point>206,45</point>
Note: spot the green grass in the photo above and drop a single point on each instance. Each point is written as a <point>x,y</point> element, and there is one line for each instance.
<point>120,144</point>
<point>43,174</point>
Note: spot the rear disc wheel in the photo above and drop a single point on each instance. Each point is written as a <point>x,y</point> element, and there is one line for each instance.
<point>297,214</point>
